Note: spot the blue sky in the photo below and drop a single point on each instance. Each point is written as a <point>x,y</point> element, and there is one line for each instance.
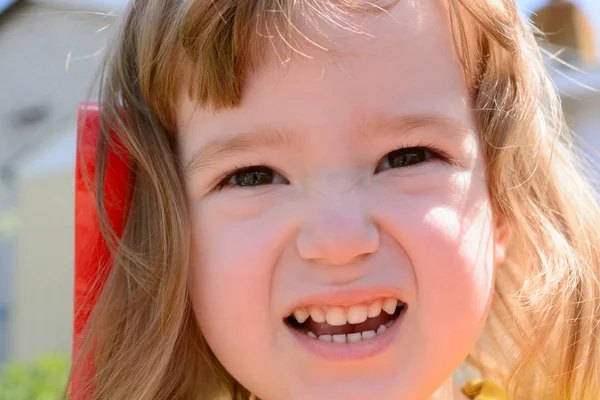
<point>4,4</point>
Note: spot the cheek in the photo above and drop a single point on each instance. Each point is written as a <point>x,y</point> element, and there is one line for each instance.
<point>230,283</point>
<point>454,263</point>
<point>230,267</point>
<point>448,238</point>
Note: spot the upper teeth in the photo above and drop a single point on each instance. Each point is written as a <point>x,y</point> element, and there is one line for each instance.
<point>389,306</point>
<point>338,316</point>
<point>317,315</point>
<point>301,315</point>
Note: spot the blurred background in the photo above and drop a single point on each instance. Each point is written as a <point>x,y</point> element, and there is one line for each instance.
<point>49,54</point>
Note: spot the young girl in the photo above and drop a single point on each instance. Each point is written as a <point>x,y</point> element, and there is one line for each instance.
<point>342,199</point>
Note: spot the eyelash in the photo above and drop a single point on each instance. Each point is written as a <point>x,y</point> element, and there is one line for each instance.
<point>224,178</point>
<point>436,154</point>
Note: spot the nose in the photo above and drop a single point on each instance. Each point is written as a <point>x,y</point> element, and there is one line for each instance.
<point>337,234</point>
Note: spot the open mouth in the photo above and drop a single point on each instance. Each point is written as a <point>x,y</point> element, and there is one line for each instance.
<point>347,324</point>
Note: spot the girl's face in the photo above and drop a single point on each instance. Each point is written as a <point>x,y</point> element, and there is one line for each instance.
<point>342,230</point>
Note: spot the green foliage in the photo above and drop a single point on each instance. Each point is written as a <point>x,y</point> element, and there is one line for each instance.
<point>44,379</point>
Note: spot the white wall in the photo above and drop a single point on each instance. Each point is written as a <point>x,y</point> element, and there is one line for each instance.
<point>42,306</point>
<point>49,51</point>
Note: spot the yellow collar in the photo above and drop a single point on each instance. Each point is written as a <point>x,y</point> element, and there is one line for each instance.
<point>479,389</point>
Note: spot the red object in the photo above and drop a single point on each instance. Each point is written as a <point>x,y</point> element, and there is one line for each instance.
<point>92,256</point>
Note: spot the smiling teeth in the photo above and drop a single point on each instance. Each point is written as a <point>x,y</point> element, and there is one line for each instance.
<point>324,338</point>
<point>374,309</point>
<point>317,315</point>
<point>354,337</point>
<point>390,306</point>
<point>357,314</point>
<point>301,315</point>
<point>339,338</point>
<point>349,338</point>
<point>338,316</point>
<point>368,335</point>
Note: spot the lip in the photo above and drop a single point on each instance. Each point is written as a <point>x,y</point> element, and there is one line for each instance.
<point>346,298</point>
<point>351,351</point>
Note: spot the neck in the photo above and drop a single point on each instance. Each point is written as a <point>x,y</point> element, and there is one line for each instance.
<point>449,391</point>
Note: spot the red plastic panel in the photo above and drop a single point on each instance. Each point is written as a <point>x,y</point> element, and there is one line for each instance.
<point>92,258</point>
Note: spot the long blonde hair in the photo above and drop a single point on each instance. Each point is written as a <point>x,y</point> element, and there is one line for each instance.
<point>542,339</point>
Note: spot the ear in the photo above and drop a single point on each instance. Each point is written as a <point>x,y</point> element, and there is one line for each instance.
<point>502,237</point>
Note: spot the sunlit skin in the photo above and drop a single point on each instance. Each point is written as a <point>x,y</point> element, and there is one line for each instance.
<point>329,211</point>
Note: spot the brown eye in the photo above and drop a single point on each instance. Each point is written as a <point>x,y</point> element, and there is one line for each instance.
<point>404,158</point>
<point>252,176</point>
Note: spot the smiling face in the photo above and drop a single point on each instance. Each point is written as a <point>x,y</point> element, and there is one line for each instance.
<point>343,185</point>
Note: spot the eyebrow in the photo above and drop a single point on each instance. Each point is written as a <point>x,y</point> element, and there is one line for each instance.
<point>270,137</point>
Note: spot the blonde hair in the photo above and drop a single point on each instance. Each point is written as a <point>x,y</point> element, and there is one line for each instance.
<point>542,336</point>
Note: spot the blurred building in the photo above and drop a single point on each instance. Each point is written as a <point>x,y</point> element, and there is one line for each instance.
<point>566,26</point>
<point>569,39</point>
<point>50,50</point>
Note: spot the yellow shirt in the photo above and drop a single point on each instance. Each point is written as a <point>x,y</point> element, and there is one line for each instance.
<point>479,389</point>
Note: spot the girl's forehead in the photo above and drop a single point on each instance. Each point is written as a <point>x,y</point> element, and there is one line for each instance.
<point>399,61</point>
<point>404,20</point>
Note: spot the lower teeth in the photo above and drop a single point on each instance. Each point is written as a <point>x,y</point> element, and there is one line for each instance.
<point>351,337</point>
